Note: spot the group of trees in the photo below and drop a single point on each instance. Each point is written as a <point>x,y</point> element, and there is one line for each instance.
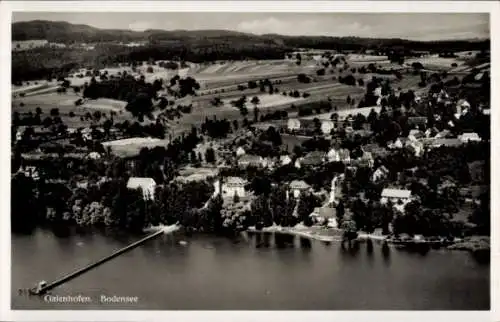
<point>315,107</point>
<point>216,128</point>
<point>109,204</point>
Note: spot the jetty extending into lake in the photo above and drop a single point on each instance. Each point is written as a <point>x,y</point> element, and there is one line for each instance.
<point>160,230</point>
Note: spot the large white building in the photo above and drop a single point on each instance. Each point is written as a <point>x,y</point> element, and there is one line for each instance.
<point>398,197</point>
<point>233,186</point>
<point>327,126</point>
<point>147,185</point>
<point>293,124</point>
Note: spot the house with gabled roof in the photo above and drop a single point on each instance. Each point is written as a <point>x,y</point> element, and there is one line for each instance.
<point>240,151</point>
<point>469,137</point>
<point>398,197</point>
<point>380,173</point>
<point>298,187</point>
<point>345,156</point>
<point>285,159</point>
<point>416,135</point>
<point>293,124</point>
<point>416,147</point>
<point>327,126</point>
<point>250,160</point>
<point>333,155</point>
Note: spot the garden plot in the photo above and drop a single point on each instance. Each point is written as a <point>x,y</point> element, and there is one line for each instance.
<point>105,104</point>
<point>196,174</point>
<point>365,58</point>
<point>435,61</point>
<point>266,101</point>
<point>344,113</point>
<point>212,69</point>
<point>132,146</point>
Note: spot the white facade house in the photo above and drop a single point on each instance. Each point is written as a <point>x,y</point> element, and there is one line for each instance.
<point>240,151</point>
<point>396,196</point>
<point>147,185</point>
<point>293,124</point>
<point>321,214</point>
<point>398,144</point>
<point>345,156</point>
<point>367,158</point>
<point>469,137</point>
<point>380,174</point>
<point>30,172</point>
<point>416,147</point>
<point>94,155</point>
<point>298,187</point>
<point>297,164</point>
<point>19,134</point>
<point>327,126</point>
<point>285,160</point>
<point>233,186</point>
<point>247,160</point>
<point>333,155</point>
<point>416,135</point>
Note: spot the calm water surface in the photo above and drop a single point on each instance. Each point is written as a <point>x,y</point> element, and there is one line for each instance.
<point>216,273</point>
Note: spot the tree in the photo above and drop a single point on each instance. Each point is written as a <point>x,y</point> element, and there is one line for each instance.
<point>54,112</point>
<point>210,155</point>
<point>255,101</point>
<point>340,212</point>
<point>307,203</point>
<point>320,72</point>
<point>261,212</point>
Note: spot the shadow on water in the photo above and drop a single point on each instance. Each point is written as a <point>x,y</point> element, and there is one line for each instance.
<point>280,240</point>
<point>290,240</point>
<point>61,231</point>
<point>305,243</point>
<point>419,248</point>
<point>369,248</point>
<point>266,239</point>
<point>349,249</point>
<point>386,253</point>
<point>482,256</point>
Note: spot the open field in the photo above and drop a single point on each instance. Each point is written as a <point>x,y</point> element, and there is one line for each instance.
<point>132,146</point>
<point>366,59</point>
<point>266,101</point>
<point>435,62</point>
<point>344,113</point>
<point>196,174</point>
<point>65,104</point>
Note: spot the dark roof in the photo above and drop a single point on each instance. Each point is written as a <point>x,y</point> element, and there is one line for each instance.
<point>474,191</point>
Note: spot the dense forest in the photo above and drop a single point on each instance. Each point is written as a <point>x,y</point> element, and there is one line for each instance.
<point>194,46</point>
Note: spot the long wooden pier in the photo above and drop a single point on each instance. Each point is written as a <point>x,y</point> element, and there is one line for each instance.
<point>87,268</point>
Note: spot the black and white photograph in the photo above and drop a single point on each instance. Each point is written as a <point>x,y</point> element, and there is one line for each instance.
<point>260,161</point>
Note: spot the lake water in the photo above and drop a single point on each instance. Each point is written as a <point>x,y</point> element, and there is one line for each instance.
<point>219,274</point>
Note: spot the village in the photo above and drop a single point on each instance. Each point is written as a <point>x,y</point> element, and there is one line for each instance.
<point>331,158</point>
<point>205,160</point>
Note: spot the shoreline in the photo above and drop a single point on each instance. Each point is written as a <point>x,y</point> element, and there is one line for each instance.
<point>471,244</point>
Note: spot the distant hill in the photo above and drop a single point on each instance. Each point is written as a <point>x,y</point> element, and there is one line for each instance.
<point>59,31</point>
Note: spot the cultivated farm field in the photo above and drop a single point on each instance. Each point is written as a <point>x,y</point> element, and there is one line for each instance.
<point>66,106</point>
